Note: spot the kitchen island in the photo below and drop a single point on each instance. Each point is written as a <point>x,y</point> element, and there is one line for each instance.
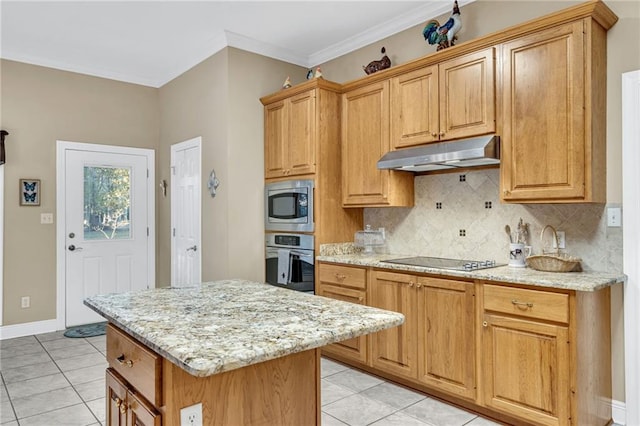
<point>248,352</point>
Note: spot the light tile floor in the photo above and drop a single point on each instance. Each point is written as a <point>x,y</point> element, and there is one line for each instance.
<point>50,380</point>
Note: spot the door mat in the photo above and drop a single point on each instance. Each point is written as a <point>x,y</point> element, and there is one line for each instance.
<point>88,330</point>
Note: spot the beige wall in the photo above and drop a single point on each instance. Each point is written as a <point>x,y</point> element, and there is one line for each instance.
<point>219,100</point>
<point>39,106</point>
<point>486,16</point>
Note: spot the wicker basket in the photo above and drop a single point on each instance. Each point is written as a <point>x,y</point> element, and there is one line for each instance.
<point>553,262</point>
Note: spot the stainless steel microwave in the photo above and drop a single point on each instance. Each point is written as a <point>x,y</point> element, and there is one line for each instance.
<point>289,206</point>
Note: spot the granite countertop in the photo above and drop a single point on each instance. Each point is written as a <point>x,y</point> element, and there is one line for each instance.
<point>220,326</point>
<point>579,281</point>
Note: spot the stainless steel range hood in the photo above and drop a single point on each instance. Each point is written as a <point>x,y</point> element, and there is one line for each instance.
<point>480,151</point>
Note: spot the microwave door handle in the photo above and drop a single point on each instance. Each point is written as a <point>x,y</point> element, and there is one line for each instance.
<point>301,254</point>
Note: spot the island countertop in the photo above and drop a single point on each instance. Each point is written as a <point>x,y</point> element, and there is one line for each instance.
<point>219,326</point>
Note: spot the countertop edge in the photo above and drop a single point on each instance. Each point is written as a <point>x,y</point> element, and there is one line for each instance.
<point>576,281</point>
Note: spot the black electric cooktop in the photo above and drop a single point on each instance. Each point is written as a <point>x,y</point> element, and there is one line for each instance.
<point>444,263</point>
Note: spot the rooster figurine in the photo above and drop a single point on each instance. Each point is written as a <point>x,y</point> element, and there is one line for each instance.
<point>444,36</point>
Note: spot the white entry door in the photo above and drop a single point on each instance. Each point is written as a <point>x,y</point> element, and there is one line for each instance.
<point>106,229</point>
<point>186,178</point>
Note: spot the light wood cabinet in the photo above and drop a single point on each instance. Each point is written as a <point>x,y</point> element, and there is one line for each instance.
<point>365,139</point>
<point>446,339</point>
<point>450,100</point>
<point>526,360</point>
<point>348,284</point>
<point>435,345</point>
<point>395,350</point>
<point>124,407</point>
<point>290,136</point>
<point>554,115</point>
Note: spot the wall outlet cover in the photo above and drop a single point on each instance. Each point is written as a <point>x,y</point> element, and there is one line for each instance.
<point>191,415</point>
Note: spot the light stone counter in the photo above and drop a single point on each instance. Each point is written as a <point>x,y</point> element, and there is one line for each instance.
<point>225,325</point>
<point>579,281</point>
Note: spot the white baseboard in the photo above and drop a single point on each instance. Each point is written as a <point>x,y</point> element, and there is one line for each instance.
<point>27,329</point>
<point>619,412</point>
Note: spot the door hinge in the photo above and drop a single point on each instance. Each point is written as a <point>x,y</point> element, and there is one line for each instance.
<point>174,232</point>
<point>147,173</point>
<point>147,231</point>
<point>173,170</point>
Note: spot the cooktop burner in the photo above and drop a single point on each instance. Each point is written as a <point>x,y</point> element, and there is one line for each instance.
<point>444,263</point>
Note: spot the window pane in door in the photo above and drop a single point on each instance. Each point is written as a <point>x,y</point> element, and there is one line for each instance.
<point>107,203</point>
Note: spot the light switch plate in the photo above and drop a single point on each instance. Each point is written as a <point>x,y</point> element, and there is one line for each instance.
<point>46,218</point>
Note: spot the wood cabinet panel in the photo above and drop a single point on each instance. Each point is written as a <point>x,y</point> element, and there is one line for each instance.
<point>365,138</point>
<point>135,363</point>
<point>467,95</point>
<point>348,276</point>
<point>124,407</point>
<point>356,348</point>
<point>289,133</point>
<point>446,340</point>
<point>542,305</point>
<point>526,369</point>
<point>395,350</point>
<point>546,149</point>
<point>414,107</point>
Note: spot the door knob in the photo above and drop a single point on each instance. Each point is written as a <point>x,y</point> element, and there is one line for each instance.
<point>74,248</point>
<point>194,248</point>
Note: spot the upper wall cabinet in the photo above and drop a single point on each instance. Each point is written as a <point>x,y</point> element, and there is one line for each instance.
<point>450,100</point>
<point>554,114</point>
<point>365,138</point>
<point>290,136</point>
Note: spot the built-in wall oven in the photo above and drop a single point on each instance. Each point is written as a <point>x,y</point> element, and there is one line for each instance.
<point>289,206</point>
<point>290,261</point>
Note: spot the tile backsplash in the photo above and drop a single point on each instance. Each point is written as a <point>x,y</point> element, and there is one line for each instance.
<point>460,215</point>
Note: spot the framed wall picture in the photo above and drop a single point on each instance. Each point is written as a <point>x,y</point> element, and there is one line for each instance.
<point>29,192</point>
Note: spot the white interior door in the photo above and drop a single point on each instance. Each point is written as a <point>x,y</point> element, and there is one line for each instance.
<point>186,200</point>
<point>106,229</point>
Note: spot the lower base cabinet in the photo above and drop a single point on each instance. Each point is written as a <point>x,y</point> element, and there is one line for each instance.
<point>520,354</point>
<point>125,407</point>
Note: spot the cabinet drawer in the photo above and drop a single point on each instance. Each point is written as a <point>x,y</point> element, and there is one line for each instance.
<point>343,275</point>
<point>138,365</point>
<point>527,303</point>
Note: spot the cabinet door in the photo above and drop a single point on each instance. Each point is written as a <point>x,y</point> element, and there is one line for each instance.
<point>141,413</point>
<point>300,141</point>
<point>446,339</point>
<point>394,350</point>
<point>414,108</point>
<point>355,348</point>
<point>467,95</point>
<point>365,139</point>
<point>526,369</point>
<point>116,400</point>
<point>543,140</point>
<point>275,130</point>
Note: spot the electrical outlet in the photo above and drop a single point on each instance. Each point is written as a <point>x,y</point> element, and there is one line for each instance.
<point>191,416</point>
<point>614,217</point>
<point>561,240</point>
<point>46,218</point>
<point>25,302</point>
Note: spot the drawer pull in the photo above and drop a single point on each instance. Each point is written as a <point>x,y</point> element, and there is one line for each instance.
<point>360,299</point>
<point>522,304</point>
<point>118,402</point>
<point>340,276</point>
<point>123,408</point>
<point>121,361</point>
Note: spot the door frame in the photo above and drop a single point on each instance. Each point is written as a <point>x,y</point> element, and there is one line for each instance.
<point>1,245</point>
<point>61,148</point>
<point>631,245</point>
<point>190,143</point>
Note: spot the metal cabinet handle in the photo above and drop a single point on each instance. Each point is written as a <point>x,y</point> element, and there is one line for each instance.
<point>419,285</point>
<point>121,361</point>
<point>410,283</point>
<point>123,407</point>
<point>360,299</point>
<point>441,133</point>
<point>194,248</point>
<point>340,276</point>
<point>118,402</point>
<point>484,324</point>
<point>74,248</point>
<point>434,134</point>
<point>522,304</point>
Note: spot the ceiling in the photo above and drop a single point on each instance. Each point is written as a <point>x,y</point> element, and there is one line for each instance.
<point>152,42</point>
